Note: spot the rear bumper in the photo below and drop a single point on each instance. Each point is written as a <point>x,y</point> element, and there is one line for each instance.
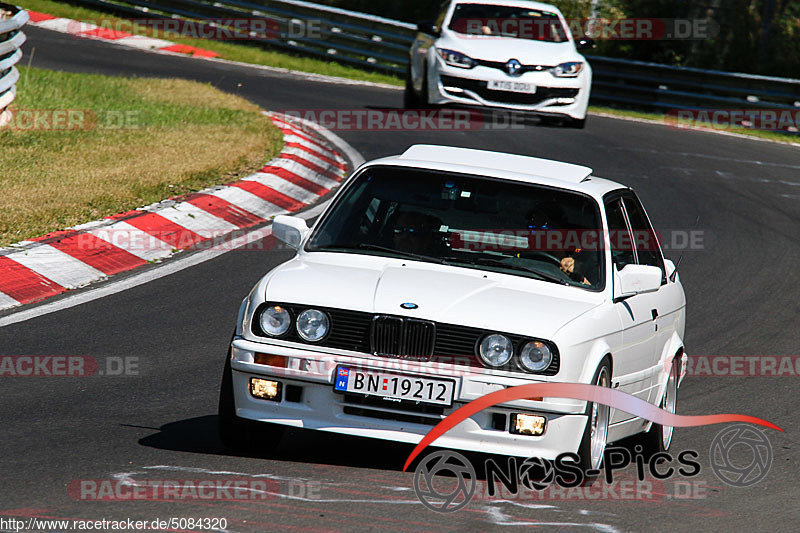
<point>315,405</point>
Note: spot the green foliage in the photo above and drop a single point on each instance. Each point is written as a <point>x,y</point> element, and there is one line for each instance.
<point>755,36</point>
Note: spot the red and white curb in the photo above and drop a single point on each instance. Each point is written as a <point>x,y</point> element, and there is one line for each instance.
<point>308,168</point>
<point>92,31</point>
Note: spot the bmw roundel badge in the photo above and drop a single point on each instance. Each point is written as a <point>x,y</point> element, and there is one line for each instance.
<point>409,305</point>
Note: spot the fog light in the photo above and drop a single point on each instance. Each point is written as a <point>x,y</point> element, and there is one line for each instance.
<point>265,389</point>
<point>522,424</point>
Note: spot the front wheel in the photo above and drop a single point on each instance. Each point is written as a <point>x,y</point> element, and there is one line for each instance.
<point>595,437</point>
<point>575,123</point>
<point>410,96</point>
<point>659,438</point>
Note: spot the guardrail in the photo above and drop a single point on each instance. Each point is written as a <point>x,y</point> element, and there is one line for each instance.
<point>299,27</point>
<point>657,87</point>
<point>382,44</point>
<point>12,18</point>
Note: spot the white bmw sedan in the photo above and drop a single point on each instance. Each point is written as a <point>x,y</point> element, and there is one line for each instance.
<point>441,275</point>
<point>509,54</point>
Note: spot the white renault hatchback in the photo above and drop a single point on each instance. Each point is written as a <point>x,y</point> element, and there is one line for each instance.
<point>444,274</point>
<point>510,54</point>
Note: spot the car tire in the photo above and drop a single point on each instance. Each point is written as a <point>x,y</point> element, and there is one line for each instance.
<point>239,434</point>
<point>595,436</point>
<point>575,123</point>
<point>424,99</point>
<point>546,120</point>
<point>410,96</point>
<point>659,438</point>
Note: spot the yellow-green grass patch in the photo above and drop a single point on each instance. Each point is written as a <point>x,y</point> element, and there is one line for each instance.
<point>85,146</point>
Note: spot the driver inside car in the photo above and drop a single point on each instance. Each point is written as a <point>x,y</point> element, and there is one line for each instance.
<point>550,217</point>
<point>414,232</point>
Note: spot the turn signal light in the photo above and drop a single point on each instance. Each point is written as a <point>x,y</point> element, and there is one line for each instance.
<point>269,359</point>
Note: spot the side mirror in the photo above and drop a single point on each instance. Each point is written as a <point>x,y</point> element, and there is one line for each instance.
<point>670,268</point>
<point>585,43</point>
<point>290,230</point>
<point>427,27</point>
<point>636,279</point>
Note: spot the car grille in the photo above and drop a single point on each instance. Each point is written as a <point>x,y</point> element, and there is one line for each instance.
<point>401,337</point>
<point>499,65</point>
<point>405,338</point>
<point>480,88</point>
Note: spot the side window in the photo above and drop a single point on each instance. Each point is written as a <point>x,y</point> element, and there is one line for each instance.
<point>647,247</point>
<point>621,242</point>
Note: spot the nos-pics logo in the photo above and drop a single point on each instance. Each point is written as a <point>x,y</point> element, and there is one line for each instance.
<point>446,481</point>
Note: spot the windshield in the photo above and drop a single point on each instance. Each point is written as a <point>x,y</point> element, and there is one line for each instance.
<point>505,21</point>
<point>468,221</point>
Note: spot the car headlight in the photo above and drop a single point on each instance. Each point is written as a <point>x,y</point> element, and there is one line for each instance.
<point>535,356</point>
<point>496,350</point>
<point>275,320</point>
<point>312,325</point>
<point>567,70</point>
<point>456,59</point>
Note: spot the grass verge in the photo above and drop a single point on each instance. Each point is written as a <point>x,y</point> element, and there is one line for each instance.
<point>239,51</point>
<point>83,146</point>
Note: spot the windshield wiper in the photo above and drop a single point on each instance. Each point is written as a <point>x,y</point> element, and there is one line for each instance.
<point>490,261</point>
<point>379,248</point>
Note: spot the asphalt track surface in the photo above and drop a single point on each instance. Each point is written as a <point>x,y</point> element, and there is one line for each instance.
<point>743,299</point>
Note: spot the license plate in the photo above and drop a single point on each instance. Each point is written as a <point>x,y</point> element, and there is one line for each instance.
<point>394,386</point>
<point>512,86</point>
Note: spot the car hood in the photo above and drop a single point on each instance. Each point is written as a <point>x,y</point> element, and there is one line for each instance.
<point>453,295</point>
<point>526,51</point>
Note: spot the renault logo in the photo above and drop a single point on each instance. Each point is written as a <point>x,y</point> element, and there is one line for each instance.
<point>513,67</point>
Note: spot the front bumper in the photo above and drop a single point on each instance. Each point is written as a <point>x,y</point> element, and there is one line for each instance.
<point>315,405</point>
<point>567,97</point>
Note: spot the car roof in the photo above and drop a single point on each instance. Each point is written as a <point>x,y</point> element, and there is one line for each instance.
<point>504,166</point>
<point>512,3</point>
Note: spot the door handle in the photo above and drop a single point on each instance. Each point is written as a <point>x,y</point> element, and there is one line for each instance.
<point>654,312</point>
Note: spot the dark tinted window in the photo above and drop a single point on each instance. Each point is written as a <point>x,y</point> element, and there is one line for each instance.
<point>647,246</point>
<point>621,242</point>
<point>491,20</point>
<point>470,221</point>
